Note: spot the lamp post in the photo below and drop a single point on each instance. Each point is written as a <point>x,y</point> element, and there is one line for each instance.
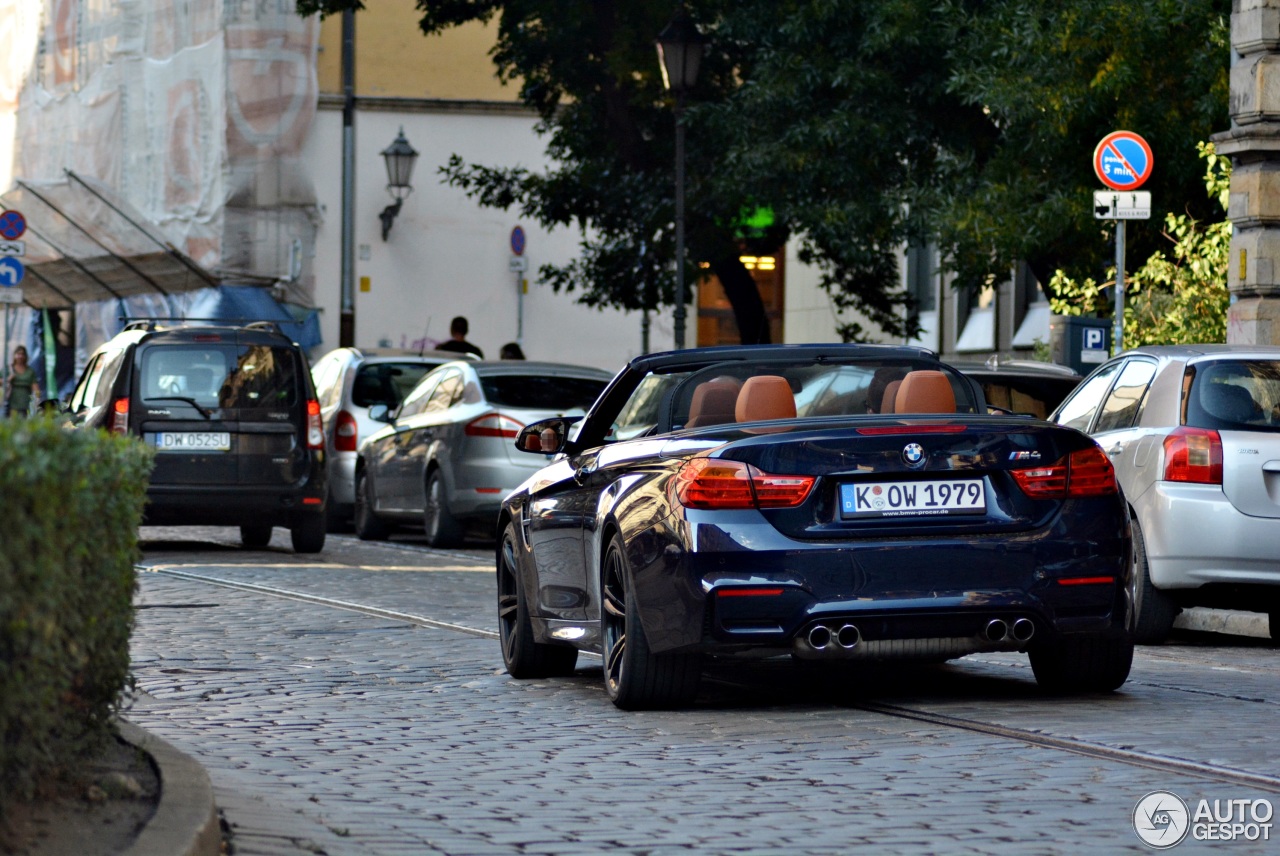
<point>347,318</point>
<point>400,158</point>
<point>680,48</point>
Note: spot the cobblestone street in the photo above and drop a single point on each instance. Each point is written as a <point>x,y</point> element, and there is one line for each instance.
<point>325,730</point>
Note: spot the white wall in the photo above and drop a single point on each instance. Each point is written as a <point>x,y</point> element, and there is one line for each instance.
<point>446,255</point>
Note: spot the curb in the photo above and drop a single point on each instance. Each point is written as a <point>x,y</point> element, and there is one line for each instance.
<point>186,819</point>
<point>1253,624</point>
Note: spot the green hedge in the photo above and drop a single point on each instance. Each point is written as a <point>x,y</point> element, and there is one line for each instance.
<point>70,504</point>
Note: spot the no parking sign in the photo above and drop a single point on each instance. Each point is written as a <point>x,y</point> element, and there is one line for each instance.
<point>1123,160</point>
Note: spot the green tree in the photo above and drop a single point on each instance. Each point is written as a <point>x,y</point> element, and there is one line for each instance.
<point>1178,299</point>
<point>861,124</point>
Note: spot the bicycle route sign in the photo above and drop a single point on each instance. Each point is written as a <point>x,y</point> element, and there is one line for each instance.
<point>1123,160</point>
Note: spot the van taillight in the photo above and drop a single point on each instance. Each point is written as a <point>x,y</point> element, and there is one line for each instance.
<point>1193,455</point>
<point>346,433</point>
<point>722,484</point>
<point>315,427</point>
<point>120,416</point>
<point>1085,472</point>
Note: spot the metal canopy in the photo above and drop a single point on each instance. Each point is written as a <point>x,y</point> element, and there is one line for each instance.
<point>85,243</point>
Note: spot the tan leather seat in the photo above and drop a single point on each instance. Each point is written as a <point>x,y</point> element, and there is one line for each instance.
<point>765,397</point>
<point>925,392</point>
<point>890,396</point>
<point>714,402</point>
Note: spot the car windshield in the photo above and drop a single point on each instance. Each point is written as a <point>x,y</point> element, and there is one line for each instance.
<point>1235,395</point>
<point>220,375</point>
<point>541,392</point>
<point>386,383</point>
<point>672,400</point>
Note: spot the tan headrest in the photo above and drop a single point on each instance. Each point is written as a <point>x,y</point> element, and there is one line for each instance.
<point>925,392</point>
<point>890,396</point>
<point>765,397</point>
<point>714,402</point>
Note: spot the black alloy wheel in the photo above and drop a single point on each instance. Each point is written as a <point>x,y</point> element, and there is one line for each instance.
<point>634,677</point>
<point>441,527</point>
<point>368,526</point>
<point>255,535</point>
<point>523,656</point>
<point>1153,610</point>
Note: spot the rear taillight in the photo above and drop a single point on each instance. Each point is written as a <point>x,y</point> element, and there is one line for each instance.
<point>1193,455</point>
<point>1085,472</point>
<point>346,433</point>
<point>120,416</point>
<point>315,427</point>
<point>493,425</point>
<point>722,484</point>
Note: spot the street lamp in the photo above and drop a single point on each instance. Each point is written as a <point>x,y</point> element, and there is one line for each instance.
<point>680,49</point>
<point>400,158</point>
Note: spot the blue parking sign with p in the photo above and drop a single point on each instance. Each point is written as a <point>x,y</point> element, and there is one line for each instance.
<point>1095,339</point>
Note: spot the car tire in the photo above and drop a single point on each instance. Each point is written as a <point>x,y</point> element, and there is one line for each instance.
<point>634,677</point>
<point>368,526</point>
<point>441,527</point>
<point>255,536</point>
<point>308,534</point>
<point>1153,610</point>
<point>1082,664</point>
<point>524,656</point>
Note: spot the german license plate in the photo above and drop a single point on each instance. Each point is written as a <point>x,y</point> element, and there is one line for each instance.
<point>936,497</point>
<point>193,441</point>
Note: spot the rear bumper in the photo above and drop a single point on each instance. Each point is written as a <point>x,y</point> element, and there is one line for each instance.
<point>914,597</point>
<point>1194,537</point>
<point>229,506</point>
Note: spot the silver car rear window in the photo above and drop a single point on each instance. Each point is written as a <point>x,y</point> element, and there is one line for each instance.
<point>1235,395</point>
<point>541,392</point>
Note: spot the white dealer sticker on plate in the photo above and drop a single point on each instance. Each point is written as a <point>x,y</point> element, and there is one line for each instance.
<point>917,498</point>
<point>193,441</point>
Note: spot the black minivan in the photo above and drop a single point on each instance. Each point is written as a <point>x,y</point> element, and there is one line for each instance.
<point>233,417</point>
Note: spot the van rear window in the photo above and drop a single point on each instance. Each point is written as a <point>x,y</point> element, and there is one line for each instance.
<point>231,376</point>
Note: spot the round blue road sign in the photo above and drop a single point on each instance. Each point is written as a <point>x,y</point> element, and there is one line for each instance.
<point>12,225</point>
<point>517,241</point>
<point>1123,160</point>
<point>11,271</point>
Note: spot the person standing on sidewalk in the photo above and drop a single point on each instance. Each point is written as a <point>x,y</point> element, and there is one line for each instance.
<point>458,328</point>
<point>22,387</point>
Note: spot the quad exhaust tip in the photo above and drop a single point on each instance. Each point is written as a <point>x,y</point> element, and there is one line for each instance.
<point>821,637</point>
<point>995,631</point>
<point>1023,629</point>
<point>848,637</point>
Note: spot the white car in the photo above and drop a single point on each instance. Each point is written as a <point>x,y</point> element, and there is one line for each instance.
<point>348,382</point>
<point>1194,434</point>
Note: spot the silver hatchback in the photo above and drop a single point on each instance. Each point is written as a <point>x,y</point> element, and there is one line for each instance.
<point>445,459</point>
<point>1194,434</point>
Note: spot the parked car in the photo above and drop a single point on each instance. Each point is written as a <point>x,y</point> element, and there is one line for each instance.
<point>1194,434</point>
<point>444,459</point>
<point>1022,386</point>
<point>822,502</point>
<point>233,417</point>
<point>348,382</point>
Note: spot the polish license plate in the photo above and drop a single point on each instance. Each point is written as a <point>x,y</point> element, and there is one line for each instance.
<point>193,441</point>
<point>936,497</point>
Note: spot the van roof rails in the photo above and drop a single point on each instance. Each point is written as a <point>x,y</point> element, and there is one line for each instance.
<point>153,322</point>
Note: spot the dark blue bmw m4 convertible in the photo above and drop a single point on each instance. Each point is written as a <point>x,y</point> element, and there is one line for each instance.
<point>818,502</point>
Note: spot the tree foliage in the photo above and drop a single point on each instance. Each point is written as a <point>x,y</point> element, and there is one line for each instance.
<point>1178,299</point>
<point>861,124</point>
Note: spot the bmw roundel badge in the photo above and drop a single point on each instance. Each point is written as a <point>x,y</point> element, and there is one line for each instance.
<point>913,454</point>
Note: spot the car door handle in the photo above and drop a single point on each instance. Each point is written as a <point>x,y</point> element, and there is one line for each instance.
<point>1115,449</point>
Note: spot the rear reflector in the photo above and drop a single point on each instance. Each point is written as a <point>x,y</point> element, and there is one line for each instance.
<point>346,433</point>
<point>315,427</point>
<point>749,592</point>
<point>1193,455</point>
<point>120,416</point>
<point>488,490</point>
<point>723,484</point>
<point>1085,472</point>
<point>493,425</point>
<point>1086,581</point>
<point>312,500</point>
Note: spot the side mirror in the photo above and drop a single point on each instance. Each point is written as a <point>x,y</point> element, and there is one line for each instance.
<point>545,437</point>
<point>379,413</point>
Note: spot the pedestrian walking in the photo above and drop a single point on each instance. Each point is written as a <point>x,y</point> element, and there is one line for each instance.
<point>511,351</point>
<point>457,342</point>
<point>21,388</point>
